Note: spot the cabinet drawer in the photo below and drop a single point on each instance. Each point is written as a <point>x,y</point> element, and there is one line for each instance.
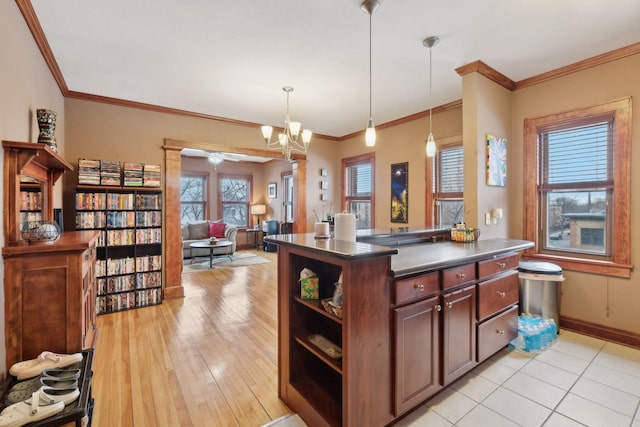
<point>497,333</point>
<point>497,265</point>
<point>414,288</point>
<point>497,293</point>
<point>457,275</point>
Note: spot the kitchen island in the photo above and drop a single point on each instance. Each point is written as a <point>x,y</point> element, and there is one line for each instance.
<point>415,316</point>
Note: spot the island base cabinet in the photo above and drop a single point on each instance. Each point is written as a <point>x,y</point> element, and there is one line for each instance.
<point>459,333</point>
<point>416,353</point>
<point>497,333</point>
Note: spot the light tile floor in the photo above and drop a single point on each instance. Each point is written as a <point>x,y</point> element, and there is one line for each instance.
<point>578,381</point>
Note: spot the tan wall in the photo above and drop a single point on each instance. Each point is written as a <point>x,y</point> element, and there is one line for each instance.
<point>398,144</point>
<point>607,301</point>
<point>487,110</point>
<point>25,85</point>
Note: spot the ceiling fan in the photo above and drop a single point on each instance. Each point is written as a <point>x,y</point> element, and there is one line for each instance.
<point>223,156</point>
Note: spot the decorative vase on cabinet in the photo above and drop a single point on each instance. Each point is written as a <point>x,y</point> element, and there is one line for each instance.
<point>47,127</point>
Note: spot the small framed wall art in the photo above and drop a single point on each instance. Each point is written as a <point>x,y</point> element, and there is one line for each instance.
<point>323,172</point>
<point>496,161</point>
<point>272,190</point>
<point>324,185</point>
<point>400,192</point>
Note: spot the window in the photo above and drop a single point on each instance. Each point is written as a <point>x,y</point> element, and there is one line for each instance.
<point>234,194</point>
<point>448,186</point>
<point>577,172</point>
<point>287,196</point>
<point>358,187</point>
<point>193,197</point>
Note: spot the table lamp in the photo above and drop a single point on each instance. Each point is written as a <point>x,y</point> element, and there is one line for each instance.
<point>258,210</point>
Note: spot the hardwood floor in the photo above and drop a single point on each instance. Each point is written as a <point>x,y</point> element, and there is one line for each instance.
<point>208,359</point>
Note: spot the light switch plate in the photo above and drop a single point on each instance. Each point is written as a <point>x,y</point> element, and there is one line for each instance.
<point>487,218</point>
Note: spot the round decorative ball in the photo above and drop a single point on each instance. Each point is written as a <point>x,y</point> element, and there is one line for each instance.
<point>40,231</point>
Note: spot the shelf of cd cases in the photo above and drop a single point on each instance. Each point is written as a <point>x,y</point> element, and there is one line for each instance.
<point>129,256</point>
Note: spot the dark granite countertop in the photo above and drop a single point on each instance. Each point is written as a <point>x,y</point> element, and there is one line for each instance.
<point>406,259</point>
<point>431,256</point>
<point>331,247</point>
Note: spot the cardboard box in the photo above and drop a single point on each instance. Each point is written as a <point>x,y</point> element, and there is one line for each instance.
<point>309,288</point>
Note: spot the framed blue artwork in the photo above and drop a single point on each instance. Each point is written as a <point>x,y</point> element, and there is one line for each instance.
<point>496,161</point>
<point>400,192</point>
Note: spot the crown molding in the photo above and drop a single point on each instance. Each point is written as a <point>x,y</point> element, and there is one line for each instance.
<point>490,73</point>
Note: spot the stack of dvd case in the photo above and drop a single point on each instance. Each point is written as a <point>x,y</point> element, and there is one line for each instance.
<point>109,172</point>
<point>88,172</point>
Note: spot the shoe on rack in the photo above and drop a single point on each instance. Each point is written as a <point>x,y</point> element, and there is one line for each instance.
<point>58,385</point>
<point>29,385</point>
<point>61,374</point>
<point>46,360</point>
<point>22,413</point>
<point>51,395</point>
<point>47,396</point>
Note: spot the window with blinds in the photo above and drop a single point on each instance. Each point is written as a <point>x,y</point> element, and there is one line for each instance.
<point>449,186</point>
<point>359,189</point>
<point>576,186</point>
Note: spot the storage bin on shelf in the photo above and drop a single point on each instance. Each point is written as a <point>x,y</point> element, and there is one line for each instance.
<point>460,233</point>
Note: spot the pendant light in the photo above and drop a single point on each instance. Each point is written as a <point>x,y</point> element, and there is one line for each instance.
<point>370,6</point>
<point>431,143</point>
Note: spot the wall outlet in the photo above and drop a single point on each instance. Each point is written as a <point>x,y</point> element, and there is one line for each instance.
<point>487,218</point>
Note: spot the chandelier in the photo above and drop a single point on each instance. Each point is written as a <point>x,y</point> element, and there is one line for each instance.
<point>429,42</point>
<point>289,140</point>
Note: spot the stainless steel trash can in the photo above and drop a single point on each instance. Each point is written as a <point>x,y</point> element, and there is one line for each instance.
<point>539,289</point>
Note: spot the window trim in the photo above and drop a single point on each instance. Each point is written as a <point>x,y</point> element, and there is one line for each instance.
<point>219,178</point>
<point>620,265</point>
<point>352,161</point>
<point>206,177</point>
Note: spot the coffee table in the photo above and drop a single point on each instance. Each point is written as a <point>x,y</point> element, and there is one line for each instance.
<point>225,247</point>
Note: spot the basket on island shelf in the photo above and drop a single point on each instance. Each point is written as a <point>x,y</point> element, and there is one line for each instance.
<point>331,308</point>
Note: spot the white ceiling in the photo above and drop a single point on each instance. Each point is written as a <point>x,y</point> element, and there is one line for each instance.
<point>231,58</point>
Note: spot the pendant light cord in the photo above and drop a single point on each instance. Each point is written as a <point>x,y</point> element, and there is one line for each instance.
<point>370,50</point>
<point>430,90</point>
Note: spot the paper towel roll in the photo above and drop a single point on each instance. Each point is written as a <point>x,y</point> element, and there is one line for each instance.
<point>322,230</point>
<point>345,227</point>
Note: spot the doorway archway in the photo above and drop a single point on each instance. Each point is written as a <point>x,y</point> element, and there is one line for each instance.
<point>172,241</point>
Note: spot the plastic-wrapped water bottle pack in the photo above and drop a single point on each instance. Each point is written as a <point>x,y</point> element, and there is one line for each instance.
<point>535,334</point>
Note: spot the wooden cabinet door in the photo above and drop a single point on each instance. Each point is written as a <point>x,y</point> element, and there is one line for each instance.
<point>459,333</point>
<point>416,353</point>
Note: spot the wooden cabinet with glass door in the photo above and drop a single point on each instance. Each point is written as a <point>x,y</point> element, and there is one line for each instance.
<point>47,284</point>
